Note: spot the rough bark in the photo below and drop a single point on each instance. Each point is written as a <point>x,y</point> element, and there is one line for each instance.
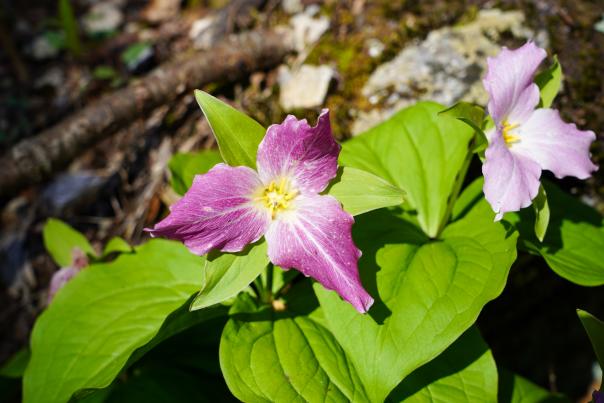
<point>35,159</point>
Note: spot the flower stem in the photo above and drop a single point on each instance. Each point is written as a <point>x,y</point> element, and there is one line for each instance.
<point>267,289</point>
<point>461,177</point>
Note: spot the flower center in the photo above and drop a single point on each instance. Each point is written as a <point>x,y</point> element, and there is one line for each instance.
<point>509,138</point>
<point>277,196</point>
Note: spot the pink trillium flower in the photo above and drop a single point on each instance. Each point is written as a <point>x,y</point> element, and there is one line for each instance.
<point>526,140</point>
<point>231,207</point>
<point>79,261</point>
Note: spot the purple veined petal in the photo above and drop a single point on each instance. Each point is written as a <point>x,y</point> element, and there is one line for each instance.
<point>217,212</point>
<point>555,145</point>
<point>511,181</point>
<point>308,155</point>
<point>509,82</point>
<point>59,279</point>
<point>315,238</point>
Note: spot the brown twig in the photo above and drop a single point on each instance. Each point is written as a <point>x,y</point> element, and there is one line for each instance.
<point>33,160</point>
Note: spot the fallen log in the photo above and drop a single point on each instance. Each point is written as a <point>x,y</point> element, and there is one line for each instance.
<point>36,159</point>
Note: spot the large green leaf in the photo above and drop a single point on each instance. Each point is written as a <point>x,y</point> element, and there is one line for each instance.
<point>60,239</point>
<point>287,359</point>
<point>418,151</point>
<point>225,274</point>
<point>360,191</point>
<point>574,244</point>
<point>515,389</point>
<point>102,316</point>
<point>465,372</point>
<point>237,134</point>
<point>427,293</point>
<point>184,167</point>
<point>595,330</point>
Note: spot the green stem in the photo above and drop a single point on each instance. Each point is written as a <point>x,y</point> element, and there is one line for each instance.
<point>267,292</point>
<point>461,177</point>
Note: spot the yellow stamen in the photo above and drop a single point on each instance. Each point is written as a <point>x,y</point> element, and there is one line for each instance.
<point>507,136</point>
<point>277,198</point>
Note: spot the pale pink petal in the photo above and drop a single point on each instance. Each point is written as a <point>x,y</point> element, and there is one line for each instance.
<point>315,238</point>
<point>217,212</point>
<point>557,146</point>
<point>59,279</point>
<point>509,82</point>
<point>79,259</point>
<point>511,181</point>
<point>307,155</point>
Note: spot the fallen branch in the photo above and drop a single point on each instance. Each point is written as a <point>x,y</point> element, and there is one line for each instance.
<point>33,160</point>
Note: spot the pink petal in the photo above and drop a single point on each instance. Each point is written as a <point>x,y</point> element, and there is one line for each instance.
<point>217,212</point>
<point>509,82</point>
<point>306,154</point>
<point>555,145</point>
<point>59,279</point>
<point>511,181</point>
<point>315,238</point>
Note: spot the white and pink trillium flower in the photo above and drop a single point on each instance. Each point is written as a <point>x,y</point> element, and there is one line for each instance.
<point>526,140</point>
<point>231,207</point>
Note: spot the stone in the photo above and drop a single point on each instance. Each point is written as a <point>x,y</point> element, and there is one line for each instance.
<point>42,48</point>
<point>446,67</point>
<point>202,33</point>
<point>292,6</point>
<point>102,18</point>
<point>306,29</point>
<point>305,87</point>
<point>161,10</point>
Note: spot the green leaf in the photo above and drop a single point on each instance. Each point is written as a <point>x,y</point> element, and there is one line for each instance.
<point>288,359</point>
<point>574,244</point>
<point>184,167</point>
<point>226,274</point>
<point>117,245</point>
<point>69,23</point>
<point>360,191</point>
<point>104,73</point>
<point>237,134</point>
<point>427,292</point>
<point>103,315</point>
<point>133,53</point>
<point>464,372</point>
<point>549,82</point>
<point>472,115</point>
<point>595,330</point>
<point>15,367</point>
<point>515,389</point>
<point>541,214</point>
<point>419,152</point>
<point>60,239</point>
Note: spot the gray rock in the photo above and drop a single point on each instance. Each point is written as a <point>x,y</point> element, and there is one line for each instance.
<point>102,18</point>
<point>42,48</point>
<point>305,87</point>
<point>292,6</point>
<point>306,29</point>
<point>446,67</point>
<point>202,33</point>
<point>69,191</point>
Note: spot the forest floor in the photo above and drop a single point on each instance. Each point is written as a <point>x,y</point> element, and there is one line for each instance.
<point>56,61</point>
